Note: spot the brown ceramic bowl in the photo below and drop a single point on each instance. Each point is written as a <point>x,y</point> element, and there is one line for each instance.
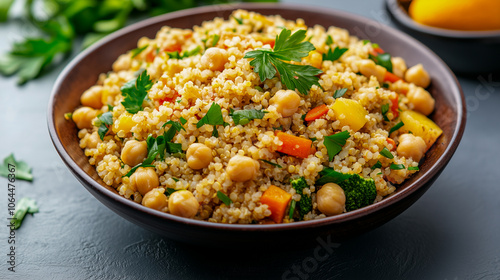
<point>466,52</point>
<point>83,71</point>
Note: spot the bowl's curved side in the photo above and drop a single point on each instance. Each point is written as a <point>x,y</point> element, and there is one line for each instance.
<point>83,72</point>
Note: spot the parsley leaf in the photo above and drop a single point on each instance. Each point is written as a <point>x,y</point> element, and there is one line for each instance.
<point>184,54</point>
<point>271,163</point>
<point>386,153</point>
<point>397,166</point>
<point>378,164</point>
<point>224,198</point>
<point>170,133</point>
<point>170,190</point>
<point>238,20</point>
<point>245,116</point>
<point>212,117</point>
<point>329,175</point>
<point>137,51</point>
<point>336,54</point>
<point>396,127</point>
<point>288,47</point>
<point>20,169</point>
<point>384,109</point>
<point>339,92</point>
<point>135,91</point>
<point>334,143</point>
<point>383,60</point>
<point>25,205</point>
<point>105,120</point>
<point>329,40</point>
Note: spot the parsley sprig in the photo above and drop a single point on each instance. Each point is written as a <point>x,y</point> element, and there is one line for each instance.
<point>334,143</point>
<point>20,168</point>
<point>245,116</point>
<point>288,47</point>
<point>104,121</point>
<point>135,91</point>
<point>212,117</point>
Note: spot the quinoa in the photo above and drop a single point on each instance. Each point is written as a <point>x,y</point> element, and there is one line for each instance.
<point>185,89</point>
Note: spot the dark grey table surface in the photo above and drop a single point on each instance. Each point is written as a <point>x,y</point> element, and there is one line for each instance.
<point>452,232</point>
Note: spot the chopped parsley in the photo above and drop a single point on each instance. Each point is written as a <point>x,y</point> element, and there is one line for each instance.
<point>336,54</point>
<point>334,143</point>
<point>384,110</point>
<point>20,169</point>
<point>214,39</point>
<point>397,166</point>
<point>365,42</point>
<point>271,163</point>
<point>68,116</point>
<point>377,165</point>
<point>413,168</point>
<point>175,179</point>
<point>292,209</point>
<point>25,205</point>
<point>238,20</point>
<point>329,175</point>
<point>104,121</point>
<point>245,116</point>
<point>383,60</point>
<point>137,51</point>
<point>170,191</point>
<point>339,92</point>
<point>288,47</point>
<point>396,127</point>
<point>135,91</point>
<point>212,117</point>
<point>172,148</point>
<point>386,153</point>
<point>224,198</point>
<point>329,40</point>
<point>259,88</point>
<point>184,54</point>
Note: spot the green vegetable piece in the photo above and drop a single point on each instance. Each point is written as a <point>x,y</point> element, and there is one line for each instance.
<point>24,206</point>
<point>329,40</point>
<point>339,92</point>
<point>334,143</point>
<point>20,169</point>
<point>170,190</point>
<point>378,164</point>
<point>224,198</point>
<point>245,116</point>
<point>271,163</point>
<point>293,203</point>
<point>386,153</point>
<point>396,127</point>
<point>336,54</point>
<point>137,51</point>
<point>305,203</point>
<point>212,117</point>
<point>238,20</point>
<point>383,60</point>
<point>287,47</point>
<point>4,9</point>
<point>329,175</point>
<point>397,166</point>
<point>135,91</point>
<point>384,109</point>
<point>413,168</point>
<point>105,120</point>
<point>359,192</point>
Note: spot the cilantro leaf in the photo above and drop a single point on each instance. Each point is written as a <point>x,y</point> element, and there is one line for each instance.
<point>20,169</point>
<point>224,198</point>
<point>176,127</point>
<point>137,51</point>
<point>334,143</point>
<point>135,91</point>
<point>329,175</point>
<point>397,166</point>
<point>378,164</point>
<point>245,116</point>
<point>212,117</point>
<point>288,47</point>
<point>383,60</point>
<point>271,163</point>
<point>396,127</point>
<point>339,92</point>
<point>105,120</point>
<point>384,109</point>
<point>386,153</point>
<point>25,205</point>
<point>336,54</point>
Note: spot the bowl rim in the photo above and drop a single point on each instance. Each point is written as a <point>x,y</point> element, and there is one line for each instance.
<point>403,18</point>
<point>82,176</point>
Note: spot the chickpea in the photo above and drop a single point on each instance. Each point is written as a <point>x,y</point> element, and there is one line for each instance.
<point>368,68</point>
<point>183,203</point>
<point>92,97</point>
<point>134,152</point>
<point>242,168</point>
<point>398,66</point>
<point>144,179</point>
<point>286,101</point>
<point>214,59</point>
<point>155,199</point>
<point>198,156</point>
<point>422,100</point>
<point>331,199</point>
<point>83,117</point>
<point>411,146</point>
<point>417,75</point>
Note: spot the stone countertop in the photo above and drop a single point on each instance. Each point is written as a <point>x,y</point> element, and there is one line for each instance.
<point>450,233</point>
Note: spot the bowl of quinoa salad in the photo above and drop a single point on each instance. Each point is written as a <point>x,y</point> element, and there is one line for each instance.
<point>257,119</point>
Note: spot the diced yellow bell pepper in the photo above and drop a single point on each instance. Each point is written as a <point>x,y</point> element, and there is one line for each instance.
<point>420,125</point>
<point>350,112</point>
<point>124,122</point>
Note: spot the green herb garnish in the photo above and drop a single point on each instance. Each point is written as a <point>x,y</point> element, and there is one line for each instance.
<point>271,163</point>
<point>396,127</point>
<point>383,60</point>
<point>245,116</point>
<point>137,51</point>
<point>287,47</point>
<point>170,190</point>
<point>25,205</point>
<point>386,153</point>
<point>224,198</point>
<point>135,91</point>
<point>378,164</point>
<point>329,175</point>
<point>20,169</point>
<point>397,166</point>
<point>292,209</point>
<point>212,117</point>
<point>365,42</point>
<point>175,179</point>
<point>68,116</point>
<point>329,40</point>
<point>339,92</point>
<point>334,143</point>
<point>384,109</point>
<point>413,168</point>
<point>238,20</point>
<point>104,121</point>
<point>184,54</point>
<point>336,54</point>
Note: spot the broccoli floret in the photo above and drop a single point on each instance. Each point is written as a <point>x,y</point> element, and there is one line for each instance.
<point>359,192</point>
<point>304,205</point>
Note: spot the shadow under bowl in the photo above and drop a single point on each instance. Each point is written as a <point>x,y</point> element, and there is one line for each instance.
<point>465,52</point>
<point>83,72</point>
